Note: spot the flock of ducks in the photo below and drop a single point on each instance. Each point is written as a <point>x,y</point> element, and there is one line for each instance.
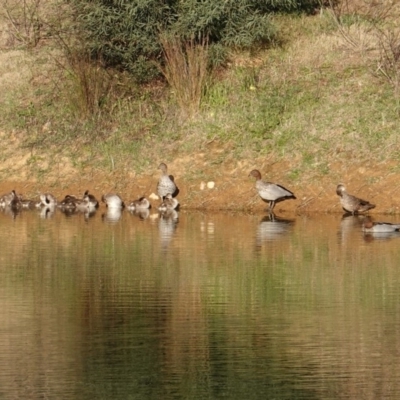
<point>274,193</point>
<point>88,204</point>
<point>167,191</point>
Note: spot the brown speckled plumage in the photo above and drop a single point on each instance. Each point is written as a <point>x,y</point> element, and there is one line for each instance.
<point>352,204</point>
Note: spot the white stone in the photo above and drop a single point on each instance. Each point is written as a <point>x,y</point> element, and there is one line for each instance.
<point>211,185</point>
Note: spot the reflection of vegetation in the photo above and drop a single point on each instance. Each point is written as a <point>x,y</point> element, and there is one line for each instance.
<point>216,314</point>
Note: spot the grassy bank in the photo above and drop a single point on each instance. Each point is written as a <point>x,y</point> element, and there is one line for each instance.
<point>314,105</point>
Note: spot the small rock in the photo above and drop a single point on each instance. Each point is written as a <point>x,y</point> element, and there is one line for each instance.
<point>211,185</point>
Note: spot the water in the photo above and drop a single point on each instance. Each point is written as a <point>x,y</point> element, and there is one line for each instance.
<point>200,306</point>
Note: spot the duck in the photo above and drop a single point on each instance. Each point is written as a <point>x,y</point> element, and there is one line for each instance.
<point>140,204</point>
<point>11,200</point>
<point>47,200</point>
<point>90,201</point>
<point>84,205</point>
<point>166,184</point>
<point>379,227</point>
<point>170,203</point>
<point>112,200</point>
<point>17,201</point>
<point>69,203</point>
<point>352,204</point>
<point>270,192</point>
<point>6,200</point>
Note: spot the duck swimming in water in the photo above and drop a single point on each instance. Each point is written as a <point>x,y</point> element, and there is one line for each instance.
<point>379,227</point>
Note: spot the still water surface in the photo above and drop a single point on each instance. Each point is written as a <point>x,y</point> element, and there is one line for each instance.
<point>200,306</point>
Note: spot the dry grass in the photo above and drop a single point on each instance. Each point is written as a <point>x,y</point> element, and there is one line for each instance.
<point>186,70</point>
<point>91,85</point>
<point>309,105</point>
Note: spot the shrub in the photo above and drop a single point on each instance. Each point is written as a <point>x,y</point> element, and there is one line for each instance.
<point>125,34</point>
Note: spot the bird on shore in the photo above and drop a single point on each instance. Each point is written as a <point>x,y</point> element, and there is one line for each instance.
<point>166,184</point>
<point>47,200</point>
<point>113,200</point>
<point>90,201</point>
<point>7,199</point>
<point>270,192</point>
<point>352,204</point>
<point>138,205</point>
<point>379,227</point>
<point>68,204</point>
<point>170,203</point>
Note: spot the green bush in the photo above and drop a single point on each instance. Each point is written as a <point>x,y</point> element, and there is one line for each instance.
<point>125,33</point>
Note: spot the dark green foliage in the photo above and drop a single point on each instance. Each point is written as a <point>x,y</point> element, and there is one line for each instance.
<point>125,34</point>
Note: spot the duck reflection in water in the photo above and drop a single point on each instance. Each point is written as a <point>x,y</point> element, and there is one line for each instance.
<point>46,212</point>
<point>372,236</point>
<point>10,211</point>
<point>167,224</point>
<point>350,224</point>
<point>89,214</point>
<point>272,227</point>
<point>141,214</point>
<point>112,215</point>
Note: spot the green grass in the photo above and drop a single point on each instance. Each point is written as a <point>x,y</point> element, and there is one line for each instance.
<point>309,100</point>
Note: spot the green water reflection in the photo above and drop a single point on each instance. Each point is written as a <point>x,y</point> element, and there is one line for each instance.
<point>209,305</point>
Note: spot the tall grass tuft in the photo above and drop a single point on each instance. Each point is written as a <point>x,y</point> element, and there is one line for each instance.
<point>186,70</point>
<point>91,85</point>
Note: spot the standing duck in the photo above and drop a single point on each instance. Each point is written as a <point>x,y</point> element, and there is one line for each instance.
<point>270,192</point>
<point>165,184</point>
<point>352,204</point>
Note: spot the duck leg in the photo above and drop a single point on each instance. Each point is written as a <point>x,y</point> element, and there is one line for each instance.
<point>271,206</point>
